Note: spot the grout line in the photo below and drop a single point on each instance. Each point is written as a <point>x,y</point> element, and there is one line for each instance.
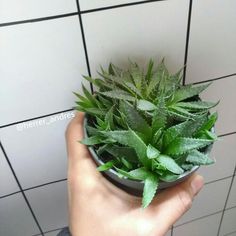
<point>49,231</point>
<point>199,218</point>
<point>213,181</point>
<point>214,79</point>
<point>10,194</point>
<point>187,41</point>
<point>119,6</point>
<point>230,208</point>
<point>226,134</point>
<point>84,42</point>
<point>226,201</point>
<point>35,118</point>
<point>38,19</point>
<point>21,190</point>
<point>42,185</point>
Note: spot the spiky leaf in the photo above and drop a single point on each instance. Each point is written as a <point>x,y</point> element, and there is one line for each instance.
<point>197,158</point>
<point>108,165</point>
<point>131,139</point>
<point>152,152</point>
<point>150,188</point>
<point>184,129</point>
<point>118,94</point>
<point>135,121</point>
<point>196,105</point>
<point>169,177</point>
<point>169,164</point>
<point>145,105</point>
<point>187,91</point>
<point>182,145</point>
<point>92,140</point>
<point>159,116</point>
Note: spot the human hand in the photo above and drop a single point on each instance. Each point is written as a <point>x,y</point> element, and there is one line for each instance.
<point>97,207</point>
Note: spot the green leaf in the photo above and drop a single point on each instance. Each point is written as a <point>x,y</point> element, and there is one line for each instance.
<point>178,116</point>
<point>91,140</point>
<point>196,105</point>
<point>106,102</point>
<point>187,166</point>
<point>187,91</point>
<point>182,112</point>
<point>135,121</point>
<point>145,105</point>
<point>137,174</point>
<point>149,70</point>
<point>169,177</point>
<point>108,165</point>
<point>90,97</point>
<point>109,118</point>
<point>122,152</point>
<point>159,116</point>
<point>150,188</point>
<point>184,129</point>
<point>118,94</point>
<point>91,130</point>
<point>209,123</point>
<point>114,70</point>
<point>152,152</point>
<point>157,79</point>
<point>211,135</point>
<point>133,88</point>
<point>131,139</point>
<point>170,164</point>
<point>126,163</point>
<point>157,136</point>
<point>197,158</point>
<point>182,145</point>
<point>83,99</point>
<point>137,75</point>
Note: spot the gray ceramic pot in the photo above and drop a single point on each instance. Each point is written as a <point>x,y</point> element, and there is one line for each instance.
<point>132,186</point>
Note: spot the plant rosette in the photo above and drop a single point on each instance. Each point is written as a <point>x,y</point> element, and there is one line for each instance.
<point>144,129</point>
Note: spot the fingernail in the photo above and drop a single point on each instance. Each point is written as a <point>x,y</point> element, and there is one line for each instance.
<point>197,184</point>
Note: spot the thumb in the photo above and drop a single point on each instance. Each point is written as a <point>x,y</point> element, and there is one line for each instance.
<point>174,202</point>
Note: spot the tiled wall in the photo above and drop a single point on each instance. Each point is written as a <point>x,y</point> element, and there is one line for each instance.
<point>45,46</point>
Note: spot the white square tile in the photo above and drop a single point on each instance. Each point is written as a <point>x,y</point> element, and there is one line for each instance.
<point>86,5</point>
<point>140,32</point>
<point>224,153</point>
<point>212,40</point>
<point>210,200</point>
<point>231,234</point>
<point>204,227</point>
<point>232,197</point>
<point>16,219</point>
<point>38,153</point>
<point>228,224</point>
<point>40,65</point>
<point>223,90</point>
<point>13,10</point>
<point>7,181</point>
<point>49,204</point>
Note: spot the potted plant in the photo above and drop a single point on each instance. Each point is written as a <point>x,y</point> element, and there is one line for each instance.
<point>144,129</point>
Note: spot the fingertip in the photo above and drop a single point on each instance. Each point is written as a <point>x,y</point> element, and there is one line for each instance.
<point>197,182</point>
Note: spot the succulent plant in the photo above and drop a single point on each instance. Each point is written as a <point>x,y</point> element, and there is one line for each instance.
<point>146,125</point>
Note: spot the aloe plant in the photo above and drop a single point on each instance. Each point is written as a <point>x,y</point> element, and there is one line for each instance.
<point>146,125</point>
